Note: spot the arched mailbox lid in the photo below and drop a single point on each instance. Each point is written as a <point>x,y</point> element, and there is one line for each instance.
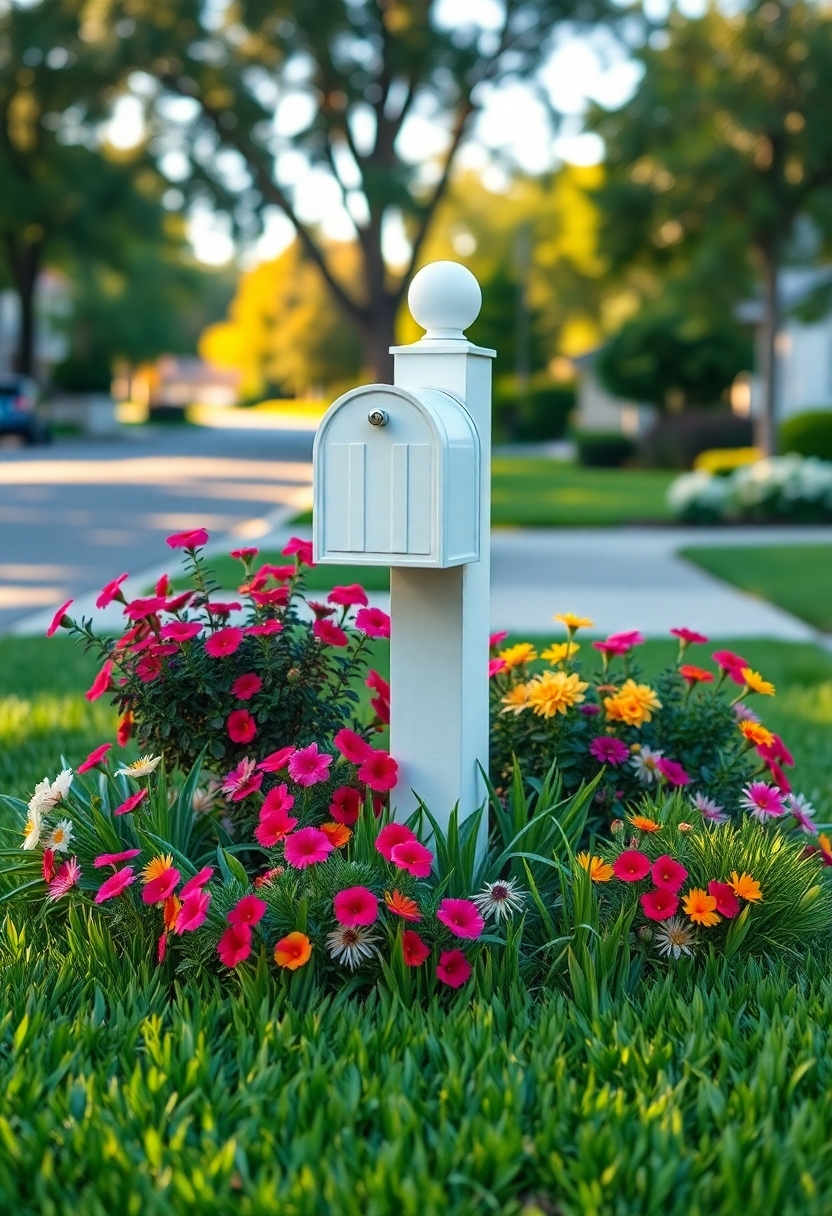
<point>396,479</point>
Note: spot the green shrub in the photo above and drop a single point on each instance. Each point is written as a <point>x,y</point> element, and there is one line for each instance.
<point>604,449</point>
<point>808,434</point>
<point>676,440</point>
<point>533,414</point>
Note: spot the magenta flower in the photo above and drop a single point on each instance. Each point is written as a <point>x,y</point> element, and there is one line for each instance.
<point>234,946</point>
<point>495,666</point>
<point>495,639</point>
<point>181,631</point>
<point>355,906</point>
<point>631,865</point>
<point>390,836</point>
<point>307,847</point>
<point>329,634</point>
<point>374,622</point>
<point>264,630</point>
<point>95,758</point>
<point>413,857</point>
<point>114,859</point>
<point>346,805</point>
<point>672,772</point>
<point>115,884</point>
<point>59,618</point>
<point>379,770</point>
<point>196,883</point>
<point>732,664</point>
<point>193,912</point>
<point>453,968</point>
<point>111,592</point>
<point>689,636</point>
<point>245,687</point>
<point>668,874</point>
<point>242,781</point>
<point>763,801</point>
<point>101,683</point>
<point>224,642</point>
<point>131,803</point>
<point>461,916</point>
<point>275,761</point>
<point>608,750</point>
<point>308,766</point>
<point>347,597</point>
<point>188,540</point>
<point>303,549</point>
<point>66,877</point>
<point>249,910</point>
<point>275,823</point>
<point>241,726</point>
<point>351,746</point>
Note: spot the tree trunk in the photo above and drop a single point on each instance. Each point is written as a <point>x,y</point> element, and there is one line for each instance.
<point>25,260</point>
<point>378,334</point>
<point>765,425</point>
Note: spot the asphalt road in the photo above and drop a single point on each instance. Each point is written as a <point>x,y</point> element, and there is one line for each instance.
<point>79,512</point>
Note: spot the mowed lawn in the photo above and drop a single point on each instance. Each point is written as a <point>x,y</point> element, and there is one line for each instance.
<point>528,492</point>
<point>795,577</point>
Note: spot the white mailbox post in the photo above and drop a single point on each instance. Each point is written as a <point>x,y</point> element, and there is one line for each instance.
<point>402,478</point>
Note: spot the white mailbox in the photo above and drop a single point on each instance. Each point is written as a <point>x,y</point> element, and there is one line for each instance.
<point>397,479</point>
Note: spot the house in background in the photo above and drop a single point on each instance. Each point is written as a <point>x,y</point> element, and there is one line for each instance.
<point>597,409</point>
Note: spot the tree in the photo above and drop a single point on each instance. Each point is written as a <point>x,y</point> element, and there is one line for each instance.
<point>348,75</point>
<point>725,146</point>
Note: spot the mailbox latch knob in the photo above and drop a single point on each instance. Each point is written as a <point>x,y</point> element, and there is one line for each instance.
<point>377,418</point>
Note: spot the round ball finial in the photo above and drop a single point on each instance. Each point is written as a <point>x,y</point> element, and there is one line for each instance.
<point>444,298</point>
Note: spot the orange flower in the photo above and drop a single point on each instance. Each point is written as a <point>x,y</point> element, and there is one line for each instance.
<point>700,907</point>
<point>157,867</point>
<point>746,887</point>
<point>337,833</point>
<point>402,905</point>
<point>293,951</point>
<point>598,869</point>
<point>757,734</point>
<point>754,682</point>
<point>694,674</point>
<point>644,824</point>
<point>171,910</point>
<point>633,704</point>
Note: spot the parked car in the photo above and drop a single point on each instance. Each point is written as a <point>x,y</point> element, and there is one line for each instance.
<point>18,409</point>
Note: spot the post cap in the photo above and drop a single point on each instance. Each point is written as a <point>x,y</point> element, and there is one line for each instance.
<point>444,298</point>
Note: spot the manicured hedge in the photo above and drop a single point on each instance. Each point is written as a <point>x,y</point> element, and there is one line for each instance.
<point>808,434</point>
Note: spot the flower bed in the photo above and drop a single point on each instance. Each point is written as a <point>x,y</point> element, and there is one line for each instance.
<point>777,489</point>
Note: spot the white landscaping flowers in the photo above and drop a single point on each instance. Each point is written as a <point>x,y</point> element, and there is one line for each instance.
<point>780,486</point>
<point>60,837</point>
<point>499,899</point>
<point>141,768</point>
<point>46,797</point>
<point>33,828</point>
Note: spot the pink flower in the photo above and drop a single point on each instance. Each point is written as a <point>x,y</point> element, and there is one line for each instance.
<point>216,608</point>
<point>630,638</point>
<point>194,910</point>
<point>660,904</point>
<point>274,826</point>
<point>234,946</point>
<point>101,683</point>
<point>497,638</point>
<point>275,761</point>
<point>348,596</point>
<point>461,917</point>
<point>346,805</point>
<point>763,801</point>
<point>224,642</point>
<point>59,618</point>
<point>689,636</point>
<point>329,634</point>
<point>308,766</point>
<point>307,847</point>
<point>303,549</point>
<point>241,726</point>
<point>163,585</point>
<point>114,859</point>
<point>94,758</point>
<point>631,865</point>
<point>275,597</point>
<point>351,746</point>
<point>138,609</point>
<point>160,888</point>
<point>609,750</point>
<point>278,799</point>
<point>373,622</point>
<point>495,666</point>
<point>264,630</point>
<point>355,906</point>
<point>196,883</point>
<point>380,771</point>
<point>413,857</point>
<point>281,573</point>
<point>188,540</point>
<point>242,781</point>
<point>245,687</point>
<point>243,555</point>
<point>668,874</point>
<point>414,950</point>
<point>110,592</point>
<point>727,904</point>
<point>131,803</point>
<point>775,750</point>
<point>115,884</point>
<point>181,631</point>
<point>390,836</point>
<point>453,968</point>
<point>672,772</point>
<point>779,777</point>
<point>732,664</point>
<point>249,910</point>
<point>66,877</point>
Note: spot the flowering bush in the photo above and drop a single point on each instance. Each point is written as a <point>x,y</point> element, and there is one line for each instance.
<point>777,488</point>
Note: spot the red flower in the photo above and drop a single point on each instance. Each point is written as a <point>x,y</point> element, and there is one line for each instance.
<point>389,837</point>
<point>234,946</point>
<point>732,664</point>
<point>373,622</point>
<point>115,884</point>
<point>329,633</point>
<point>380,771</point>
<point>378,684</point>
<point>689,636</point>
<point>223,609</point>
<point>278,799</point>
<point>197,882</point>
<point>275,761</point>
<point>275,821</point>
<point>101,683</point>
<point>660,904</point>
<point>413,857</point>
<point>149,669</point>
<point>631,866</point>
<point>125,729</point>
<point>274,597</point>
<point>460,916</point>
<point>164,586</point>
<point>348,596</point>
<point>695,675</point>
<point>94,758</point>
<point>453,968</point>
<point>157,890</point>
<point>264,630</point>
<point>779,777</point>
<point>188,540</point>
<point>113,859</point>
<point>245,687</point>
<point>194,910</point>
<point>355,906</point>
<point>303,549</point>
<point>131,803</point>
<point>112,591</point>
<point>243,555</point>
<point>241,726</point>
<point>174,602</point>
<point>138,609</point>
<point>414,950</point>
<point>181,631</point>
<point>668,874</point>
<point>224,642</point>
<point>727,904</point>
<point>346,805</point>
<point>352,747</point>
<point>776,750</point>
<point>672,772</point>
<point>281,573</point>
<point>48,865</point>
<point>320,610</point>
<point>59,618</point>
<point>249,910</point>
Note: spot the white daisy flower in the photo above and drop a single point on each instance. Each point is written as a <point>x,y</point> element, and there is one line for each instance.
<point>351,944</point>
<point>644,762</point>
<point>60,787</point>
<point>34,827</point>
<point>60,837</point>
<point>41,799</point>
<point>674,937</point>
<point>142,767</point>
<point>499,899</point>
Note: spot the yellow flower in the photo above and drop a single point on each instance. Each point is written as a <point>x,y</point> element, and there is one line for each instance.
<point>756,733</point>
<point>632,704</point>
<point>515,700</point>
<point>598,869</point>
<point>644,824</point>
<point>755,682</point>
<point>700,907</point>
<point>156,867</point>
<point>573,622</point>
<point>33,828</point>
<point>515,656</point>
<point>560,651</point>
<point>746,887</point>
<point>554,693</point>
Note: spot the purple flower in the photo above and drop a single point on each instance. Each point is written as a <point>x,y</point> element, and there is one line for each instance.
<point>608,750</point>
<point>763,801</point>
<point>709,809</point>
<point>744,714</point>
<point>589,709</point>
<point>802,809</point>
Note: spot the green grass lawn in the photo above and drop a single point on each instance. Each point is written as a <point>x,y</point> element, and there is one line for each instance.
<point>548,493</point>
<point>795,577</point>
